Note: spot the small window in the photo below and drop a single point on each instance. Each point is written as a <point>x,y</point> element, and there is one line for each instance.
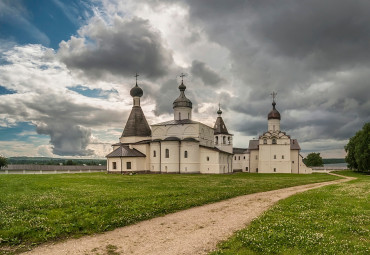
<point>246,169</point>
<point>179,115</point>
<point>274,156</point>
<point>114,165</point>
<point>128,165</point>
<point>235,158</point>
<point>188,115</point>
<point>185,154</point>
<point>224,139</point>
<point>293,161</point>
<point>256,156</point>
<point>229,140</point>
<point>207,158</point>
<point>165,168</point>
<point>274,141</point>
<point>282,156</point>
<point>275,170</point>
<point>167,153</point>
<point>257,170</point>
<point>244,157</point>
<point>239,157</point>
<point>216,139</point>
<point>154,154</point>
<point>264,141</point>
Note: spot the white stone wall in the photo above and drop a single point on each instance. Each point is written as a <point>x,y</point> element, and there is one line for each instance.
<point>241,162</point>
<point>303,169</point>
<point>254,159</point>
<point>275,158</point>
<point>209,161</point>
<point>182,113</point>
<point>273,125</point>
<point>191,164</point>
<point>294,157</point>
<point>170,164</point>
<point>137,164</point>
<point>224,142</point>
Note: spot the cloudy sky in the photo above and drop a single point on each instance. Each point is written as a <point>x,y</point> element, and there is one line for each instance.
<point>66,68</point>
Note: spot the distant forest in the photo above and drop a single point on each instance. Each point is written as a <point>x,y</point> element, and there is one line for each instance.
<point>333,160</point>
<point>55,161</point>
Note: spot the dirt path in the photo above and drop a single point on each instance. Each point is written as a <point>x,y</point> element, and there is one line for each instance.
<point>193,231</point>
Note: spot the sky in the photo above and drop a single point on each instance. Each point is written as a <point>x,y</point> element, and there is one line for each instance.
<point>66,69</point>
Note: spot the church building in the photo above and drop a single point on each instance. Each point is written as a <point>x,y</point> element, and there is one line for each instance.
<point>273,152</point>
<point>183,145</point>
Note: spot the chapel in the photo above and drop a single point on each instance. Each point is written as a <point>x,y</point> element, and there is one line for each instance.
<point>183,145</point>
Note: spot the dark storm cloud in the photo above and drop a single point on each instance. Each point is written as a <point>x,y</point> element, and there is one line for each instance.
<point>296,48</point>
<point>209,77</point>
<point>67,122</point>
<point>123,48</point>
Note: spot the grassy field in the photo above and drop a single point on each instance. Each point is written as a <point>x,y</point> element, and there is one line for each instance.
<point>330,220</point>
<point>40,208</point>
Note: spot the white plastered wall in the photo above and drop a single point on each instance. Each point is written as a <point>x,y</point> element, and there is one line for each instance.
<point>241,162</point>
<point>209,161</point>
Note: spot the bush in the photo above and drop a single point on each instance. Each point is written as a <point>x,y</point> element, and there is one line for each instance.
<point>3,162</point>
<point>313,159</point>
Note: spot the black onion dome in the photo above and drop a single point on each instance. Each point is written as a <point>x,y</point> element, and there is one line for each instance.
<point>219,111</point>
<point>274,114</point>
<point>136,91</point>
<point>182,100</point>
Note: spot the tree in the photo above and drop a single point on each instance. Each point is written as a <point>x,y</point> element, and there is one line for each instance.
<point>3,162</point>
<point>313,159</point>
<point>358,150</point>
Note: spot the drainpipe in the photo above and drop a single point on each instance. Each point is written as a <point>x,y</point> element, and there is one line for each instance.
<point>121,165</point>
<point>179,156</point>
<point>160,157</point>
<point>298,161</point>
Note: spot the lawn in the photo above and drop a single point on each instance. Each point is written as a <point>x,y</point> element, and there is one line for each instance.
<point>39,208</point>
<point>330,220</point>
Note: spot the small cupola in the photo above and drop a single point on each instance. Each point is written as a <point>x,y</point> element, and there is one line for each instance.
<point>182,106</point>
<point>273,117</point>
<point>136,92</point>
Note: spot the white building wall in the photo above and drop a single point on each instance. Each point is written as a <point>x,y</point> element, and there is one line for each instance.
<point>275,158</point>
<point>303,169</point>
<point>273,125</point>
<point>154,161</point>
<point>294,157</point>
<point>191,164</point>
<point>181,113</point>
<point>209,161</point>
<point>172,163</point>
<point>253,157</point>
<point>241,162</point>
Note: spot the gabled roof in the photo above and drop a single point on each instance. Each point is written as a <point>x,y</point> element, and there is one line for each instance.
<point>240,151</point>
<point>136,124</point>
<point>220,127</point>
<point>125,151</point>
<point>177,122</point>
<point>294,145</point>
<point>253,145</point>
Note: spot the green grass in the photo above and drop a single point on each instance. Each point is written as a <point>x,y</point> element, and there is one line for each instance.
<point>41,208</point>
<point>331,220</point>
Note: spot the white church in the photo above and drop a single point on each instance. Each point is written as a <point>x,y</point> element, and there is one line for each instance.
<point>183,145</point>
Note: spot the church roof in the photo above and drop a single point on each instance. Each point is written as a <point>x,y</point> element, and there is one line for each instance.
<point>253,145</point>
<point>215,149</point>
<point>125,151</point>
<point>274,114</point>
<point>182,100</point>
<point>240,151</point>
<point>136,124</point>
<point>294,144</point>
<point>220,127</point>
<point>177,122</point>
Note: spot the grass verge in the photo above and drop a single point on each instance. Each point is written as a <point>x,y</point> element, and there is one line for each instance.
<point>39,208</point>
<point>330,220</point>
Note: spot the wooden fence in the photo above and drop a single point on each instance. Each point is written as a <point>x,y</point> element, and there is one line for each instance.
<point>50,169</point>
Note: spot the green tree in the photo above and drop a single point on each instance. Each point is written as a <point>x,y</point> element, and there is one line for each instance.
<point>313,159</point>
<point>3,162</point>
<point>358,150</point>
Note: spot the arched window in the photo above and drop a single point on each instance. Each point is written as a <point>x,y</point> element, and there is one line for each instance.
<point>228,140</point>
<point>239,157</point>
<point>207,158</point>
<point>216,139</point>
<point>274,141</point>
<point>264,141</point>
<point>224,139</point>
<point>167,153</point>
<point>185,154</point>
<point>235,157</point>
<point>282,156</point>
<point>274,156</point>
<point>154,154</point>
